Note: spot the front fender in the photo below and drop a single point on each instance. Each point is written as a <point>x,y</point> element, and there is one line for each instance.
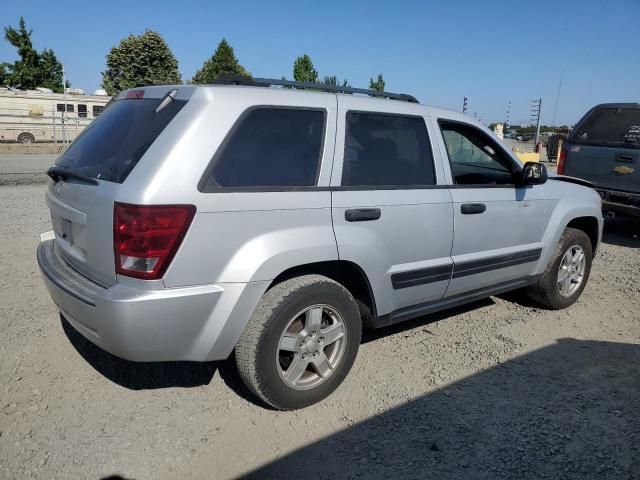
<point>566,202</point>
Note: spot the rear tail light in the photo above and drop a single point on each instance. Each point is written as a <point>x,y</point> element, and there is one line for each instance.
<point>145,238</point>
<point>562,159</point>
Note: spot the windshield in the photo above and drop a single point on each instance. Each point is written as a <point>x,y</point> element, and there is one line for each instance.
<point>112,145</point>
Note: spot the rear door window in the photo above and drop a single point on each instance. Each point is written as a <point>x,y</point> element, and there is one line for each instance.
<point>269,147</point>
<point>386,150</point>
<point>113,144</point>
<point>610,125</point>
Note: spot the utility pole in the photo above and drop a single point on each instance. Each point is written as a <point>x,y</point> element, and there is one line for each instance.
<point>506,122</point>
<point>464,105</point>
<point>536,109</point>
<point>64,110</point>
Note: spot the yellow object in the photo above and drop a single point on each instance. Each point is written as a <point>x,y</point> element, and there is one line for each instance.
<point>623,170</point>
<point>526,156</point>
<point>35,110</point>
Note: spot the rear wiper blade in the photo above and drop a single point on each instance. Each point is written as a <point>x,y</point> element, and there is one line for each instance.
<point>168,98</point>
<point>56,173</point>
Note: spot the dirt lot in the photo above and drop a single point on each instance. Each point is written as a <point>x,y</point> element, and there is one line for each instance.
<point>20,169</point>
<point>498,389</point>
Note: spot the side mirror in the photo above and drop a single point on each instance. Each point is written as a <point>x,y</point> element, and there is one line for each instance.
<point>534,173</point>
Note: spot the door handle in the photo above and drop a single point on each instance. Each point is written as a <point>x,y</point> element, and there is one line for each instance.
<point>626,157</point>
<point>362,214</point>
<point>472,208</point>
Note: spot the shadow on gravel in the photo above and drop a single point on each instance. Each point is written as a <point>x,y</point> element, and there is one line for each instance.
<point>231,378</point>
<point>624,232</point>
<point>565,411</point>
<point>155,375</point>
<point>521,298</point>
<point>370,335</point>
<point>140,375</point>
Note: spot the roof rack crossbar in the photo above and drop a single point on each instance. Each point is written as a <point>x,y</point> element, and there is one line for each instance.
<point>268,82</point>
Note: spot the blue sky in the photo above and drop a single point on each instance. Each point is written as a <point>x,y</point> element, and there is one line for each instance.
<point>439,51</point>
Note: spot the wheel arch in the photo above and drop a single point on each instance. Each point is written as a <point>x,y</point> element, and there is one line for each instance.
<point>588,225</point>
<point>348,274</point>
<point>567,214</point>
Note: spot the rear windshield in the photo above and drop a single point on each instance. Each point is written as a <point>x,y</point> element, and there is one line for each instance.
<point>610,125</point>
<point>112,145</point>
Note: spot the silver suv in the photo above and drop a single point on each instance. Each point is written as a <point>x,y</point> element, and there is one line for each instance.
<point>190,222</point>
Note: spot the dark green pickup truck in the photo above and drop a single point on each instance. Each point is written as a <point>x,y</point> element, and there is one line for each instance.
<point>604,148</point>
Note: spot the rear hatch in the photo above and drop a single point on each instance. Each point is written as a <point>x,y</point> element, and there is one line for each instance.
<point>88,174</point>
<point>604,147</point>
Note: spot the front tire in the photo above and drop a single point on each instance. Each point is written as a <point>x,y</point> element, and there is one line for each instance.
<point>300,342</point>
<point>566,275</point>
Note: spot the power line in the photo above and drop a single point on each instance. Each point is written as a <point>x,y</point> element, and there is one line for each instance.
<point>555,109</point>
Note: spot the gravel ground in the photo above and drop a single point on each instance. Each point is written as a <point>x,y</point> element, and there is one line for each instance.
<point>497,389</point>
<point>20,169</point>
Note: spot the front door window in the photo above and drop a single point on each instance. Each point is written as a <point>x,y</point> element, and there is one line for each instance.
<point>475,159</point>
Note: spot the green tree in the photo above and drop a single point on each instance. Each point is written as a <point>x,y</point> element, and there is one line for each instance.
<point>4,74</point>
<point>140,60</point>
<point>33,69</point>
<point>26,71</point>
<point>223,62</point>
<point>303,70</point>
<point>51,71</point>
<point>378,84</point>
<point>333,80</point>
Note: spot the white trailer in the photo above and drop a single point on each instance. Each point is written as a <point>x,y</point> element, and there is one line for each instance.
<point>28,116</point>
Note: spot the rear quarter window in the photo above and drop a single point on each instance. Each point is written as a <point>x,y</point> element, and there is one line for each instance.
<point>610,126</point>
<point>269,147</point>
<point>112,145</point>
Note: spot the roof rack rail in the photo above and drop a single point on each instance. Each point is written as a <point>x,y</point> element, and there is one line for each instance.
<point>269,82</point>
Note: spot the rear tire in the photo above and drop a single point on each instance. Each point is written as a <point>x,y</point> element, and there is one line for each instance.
<point>566,275</point>
<point>300,342</point>
<point>26,137</point>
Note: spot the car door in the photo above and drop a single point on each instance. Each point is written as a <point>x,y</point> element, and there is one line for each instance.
<point>389,215</point>
<point>498,225</point>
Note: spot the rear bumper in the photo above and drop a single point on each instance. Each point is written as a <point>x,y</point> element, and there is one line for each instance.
<point>197,323</point>
<point>621,202</point>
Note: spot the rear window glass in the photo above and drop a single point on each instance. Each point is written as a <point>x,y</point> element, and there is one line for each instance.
<point>111,146</point>
<point>610,125</point>
<point>269,147</point>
